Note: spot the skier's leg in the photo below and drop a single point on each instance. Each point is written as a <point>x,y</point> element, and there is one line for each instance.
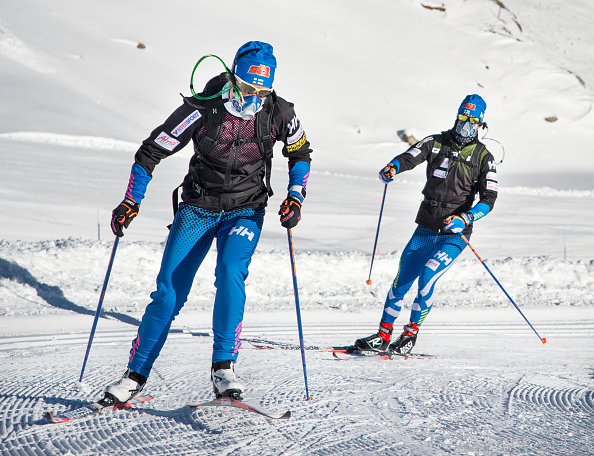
<point>447,249</point>
<point>414,256</point>
<point>445,252</point>
<point>444,255</point>
<point>236,242</point>
<point>190,239</point>
<point>237,238</point>
<point>412,259</point>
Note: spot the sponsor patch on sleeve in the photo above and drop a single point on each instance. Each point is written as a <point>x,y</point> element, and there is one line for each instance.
<point>493,186</point>
<point>414,151</point>
<point>297,145</point>
<point>420,143</point>
<point>166,141</point>
<point>295,137</point>
<point>186,123</point>
<point>492,176</point>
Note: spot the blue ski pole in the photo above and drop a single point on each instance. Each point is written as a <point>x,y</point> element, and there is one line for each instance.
<point>294,272</point>
<point>98,312</point>
<point>542,339</point>
<point>368,282</point>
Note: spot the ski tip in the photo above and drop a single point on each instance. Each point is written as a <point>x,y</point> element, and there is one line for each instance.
<point>259,346</point>
<point>286,416</point>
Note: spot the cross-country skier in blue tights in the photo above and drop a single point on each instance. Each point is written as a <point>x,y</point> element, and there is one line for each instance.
<point>459,168</point>
<point>233,124</point>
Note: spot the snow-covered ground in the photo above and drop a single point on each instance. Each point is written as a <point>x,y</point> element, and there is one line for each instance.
<point>78,95</point>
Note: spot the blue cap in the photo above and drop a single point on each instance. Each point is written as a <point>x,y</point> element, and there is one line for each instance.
<point>255,63</point>
<point>474,106</point>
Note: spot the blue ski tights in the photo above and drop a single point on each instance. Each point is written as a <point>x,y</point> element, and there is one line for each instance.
<point>192,233</point>
<point>427,256</point>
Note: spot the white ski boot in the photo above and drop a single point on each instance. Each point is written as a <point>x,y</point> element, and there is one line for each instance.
<point>125,389</point>
<point>224,381</point>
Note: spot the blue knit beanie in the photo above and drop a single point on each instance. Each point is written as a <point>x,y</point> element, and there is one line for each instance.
<point>255,63</point>
<point>474,106</point>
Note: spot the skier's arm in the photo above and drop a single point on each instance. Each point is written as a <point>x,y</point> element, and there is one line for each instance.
<point>297,149</point>
<point>165,140</point>
<point>298,175</point>
<point>173,135</point>
<point>415,155</point>
<point>488,188</point>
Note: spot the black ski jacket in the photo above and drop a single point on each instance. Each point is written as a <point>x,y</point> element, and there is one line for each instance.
<point>451,187</point>
<point>232,174</point>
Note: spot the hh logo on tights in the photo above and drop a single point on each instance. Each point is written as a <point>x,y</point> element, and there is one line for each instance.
<point>242,231</point>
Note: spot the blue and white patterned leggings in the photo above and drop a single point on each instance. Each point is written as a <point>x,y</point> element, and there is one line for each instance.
<point>192,233</point>
<point>427,256</point>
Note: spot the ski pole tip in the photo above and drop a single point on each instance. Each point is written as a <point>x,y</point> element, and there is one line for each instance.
<point>544,340</point>
<point>368,282</point>
<point>310,398</point>
<point>82,387</point>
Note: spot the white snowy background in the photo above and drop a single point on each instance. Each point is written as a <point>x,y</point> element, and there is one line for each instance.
<point>77,96</point>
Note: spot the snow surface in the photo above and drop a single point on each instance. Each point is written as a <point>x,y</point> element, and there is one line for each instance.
<point>79,95</point>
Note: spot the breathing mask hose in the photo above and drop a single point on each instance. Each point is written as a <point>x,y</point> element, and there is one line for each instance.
<point>220,92</point>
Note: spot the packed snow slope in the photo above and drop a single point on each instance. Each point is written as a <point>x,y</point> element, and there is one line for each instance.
<point>83,83</point>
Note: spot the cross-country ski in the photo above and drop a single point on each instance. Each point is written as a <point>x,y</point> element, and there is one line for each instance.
<point>345,355</point>
<point>241,404</point>
<point>93,409</point>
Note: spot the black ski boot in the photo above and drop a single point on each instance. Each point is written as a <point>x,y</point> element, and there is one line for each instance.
<point>377,342</point>
<point>406,341</point>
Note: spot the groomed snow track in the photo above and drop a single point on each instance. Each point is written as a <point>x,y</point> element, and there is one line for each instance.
<point>489,391</point>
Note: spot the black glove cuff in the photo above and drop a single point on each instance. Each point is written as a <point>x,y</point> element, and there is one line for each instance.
<point>130,202</point>
<point>293,199</point>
